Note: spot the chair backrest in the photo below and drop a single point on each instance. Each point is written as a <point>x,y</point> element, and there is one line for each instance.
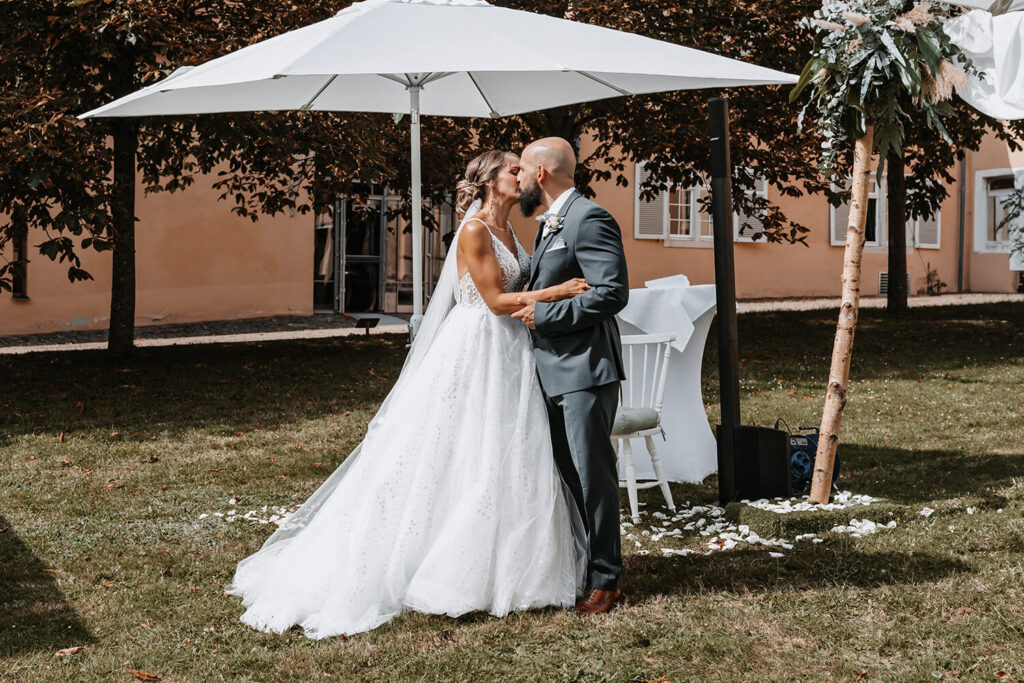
<point>645,357</point>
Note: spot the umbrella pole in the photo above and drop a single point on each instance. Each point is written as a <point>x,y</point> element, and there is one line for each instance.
<point>725,295</point>
<point>417,211</point>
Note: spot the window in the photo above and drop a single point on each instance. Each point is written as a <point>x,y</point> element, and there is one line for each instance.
<point>747,228</point>
<point>874,225</point>
<point>687,218</point>
<point>675,216</point>
<point>991,188</point>
<point>998,191</point>
<point>19,279</point>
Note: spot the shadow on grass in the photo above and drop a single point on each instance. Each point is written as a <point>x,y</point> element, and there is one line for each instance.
<point>34,616</point>
<point>225,387</point>
<point>916,476</point>
<point>838,563</point>
<point>796,346</point>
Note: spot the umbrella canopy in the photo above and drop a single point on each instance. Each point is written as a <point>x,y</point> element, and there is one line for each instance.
<point>438,57</point>
<point>993,6</point>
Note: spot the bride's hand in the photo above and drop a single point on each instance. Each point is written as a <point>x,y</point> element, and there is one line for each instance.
<point>573,287</point>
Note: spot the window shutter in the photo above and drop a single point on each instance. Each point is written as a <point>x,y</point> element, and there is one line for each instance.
<point>839,218</point>
<point>928,232</point>
<point>753,223</point>
<point>650,218</point>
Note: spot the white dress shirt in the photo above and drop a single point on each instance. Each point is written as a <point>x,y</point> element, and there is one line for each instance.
<point>555,207</point>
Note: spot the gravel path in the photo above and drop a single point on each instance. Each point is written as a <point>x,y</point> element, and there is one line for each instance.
<point>212,332</point>
<point>757,305</point>
<point>332,325</point>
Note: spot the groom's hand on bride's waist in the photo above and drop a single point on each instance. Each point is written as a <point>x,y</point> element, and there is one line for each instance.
<point>526,312</point>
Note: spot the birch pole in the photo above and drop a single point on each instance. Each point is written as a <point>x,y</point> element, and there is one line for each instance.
<point>842,348</point>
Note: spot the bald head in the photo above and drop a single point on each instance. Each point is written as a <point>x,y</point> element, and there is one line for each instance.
<point>555,155</point>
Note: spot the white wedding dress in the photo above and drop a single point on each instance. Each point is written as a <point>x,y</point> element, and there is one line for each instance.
<point>452,503</point>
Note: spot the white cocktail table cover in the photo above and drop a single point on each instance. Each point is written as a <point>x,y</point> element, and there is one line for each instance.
<point>688,452</point>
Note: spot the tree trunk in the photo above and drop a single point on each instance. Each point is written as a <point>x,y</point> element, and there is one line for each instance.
<point>839,373</point>
<point>896,196</point>
<point>121,335</point>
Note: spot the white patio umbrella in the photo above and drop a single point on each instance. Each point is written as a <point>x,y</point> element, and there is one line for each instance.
<point>993,6</point>
<point>437,57</point>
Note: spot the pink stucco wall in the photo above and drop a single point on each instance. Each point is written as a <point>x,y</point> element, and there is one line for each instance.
<point>195,260</point>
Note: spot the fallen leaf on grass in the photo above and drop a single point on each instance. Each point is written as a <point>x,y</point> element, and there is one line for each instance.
<point>107,584</point>
<point>54,571</point>
<point>68,651</point>
<point>151,459</point>
<point>217,469</point>
<point>1002,674</point>
<point>145,675</point>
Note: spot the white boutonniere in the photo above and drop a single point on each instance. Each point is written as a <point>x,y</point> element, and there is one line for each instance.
<point>553,224</point>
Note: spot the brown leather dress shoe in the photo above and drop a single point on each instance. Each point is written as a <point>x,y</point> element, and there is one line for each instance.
<point>597,601</point>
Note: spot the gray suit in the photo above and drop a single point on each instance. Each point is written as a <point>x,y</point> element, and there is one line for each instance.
<point>579,363</point>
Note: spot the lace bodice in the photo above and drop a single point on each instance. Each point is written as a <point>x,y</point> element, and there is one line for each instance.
<point>515,273</point>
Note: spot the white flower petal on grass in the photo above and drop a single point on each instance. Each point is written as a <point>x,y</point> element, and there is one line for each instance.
<point>776,555</point>
<point>926,512</point>
<point>971,511</point>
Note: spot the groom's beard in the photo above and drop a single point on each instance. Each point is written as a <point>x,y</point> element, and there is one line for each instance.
<point>529,200</point>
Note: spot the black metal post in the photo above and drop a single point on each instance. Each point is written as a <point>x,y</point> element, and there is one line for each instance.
<point>725,294</point>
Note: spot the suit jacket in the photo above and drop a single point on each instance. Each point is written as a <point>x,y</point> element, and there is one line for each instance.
<point>576,341</point>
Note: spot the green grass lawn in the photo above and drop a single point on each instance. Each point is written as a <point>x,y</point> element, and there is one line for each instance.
<point>105,471</point>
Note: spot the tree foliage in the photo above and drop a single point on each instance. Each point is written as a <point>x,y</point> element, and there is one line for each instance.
<point>63,58</point>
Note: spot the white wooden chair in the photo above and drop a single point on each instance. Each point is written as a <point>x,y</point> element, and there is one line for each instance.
<point>645,358</point>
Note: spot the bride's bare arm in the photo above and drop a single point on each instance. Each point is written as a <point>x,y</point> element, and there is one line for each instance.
<point>477,253</point>
<point>566,290</point>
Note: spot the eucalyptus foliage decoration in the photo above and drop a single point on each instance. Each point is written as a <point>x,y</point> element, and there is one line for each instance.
<point>871,61</point>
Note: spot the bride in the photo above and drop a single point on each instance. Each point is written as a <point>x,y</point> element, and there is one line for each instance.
<point>452,503</point>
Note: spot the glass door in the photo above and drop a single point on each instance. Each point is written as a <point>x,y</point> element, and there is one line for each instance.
<point>361,229</point>
<point>325,262</point>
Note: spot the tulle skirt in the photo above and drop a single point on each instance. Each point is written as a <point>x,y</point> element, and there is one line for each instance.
<point>452,504</point>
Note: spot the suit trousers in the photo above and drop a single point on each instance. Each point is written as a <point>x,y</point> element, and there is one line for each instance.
<point>581,427</point>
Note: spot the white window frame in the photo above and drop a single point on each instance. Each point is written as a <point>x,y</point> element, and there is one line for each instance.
<point>692,194</point>
<point>736,220</point>
<point>982,244</point>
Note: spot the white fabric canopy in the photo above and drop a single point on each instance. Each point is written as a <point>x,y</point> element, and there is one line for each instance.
<point>993,6</point>
<point>442,57</point>
<point>996,46</point>
<point>470,58</point>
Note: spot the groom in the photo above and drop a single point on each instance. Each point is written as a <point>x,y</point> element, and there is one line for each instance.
<point>577,349</point>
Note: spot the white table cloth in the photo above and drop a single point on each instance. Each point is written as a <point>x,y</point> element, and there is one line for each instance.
<point>688,452</point>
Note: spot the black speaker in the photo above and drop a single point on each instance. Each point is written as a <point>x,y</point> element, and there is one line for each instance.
<point>761,462</point>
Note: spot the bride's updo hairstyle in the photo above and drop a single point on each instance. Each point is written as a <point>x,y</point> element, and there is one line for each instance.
<point>481,170</point>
